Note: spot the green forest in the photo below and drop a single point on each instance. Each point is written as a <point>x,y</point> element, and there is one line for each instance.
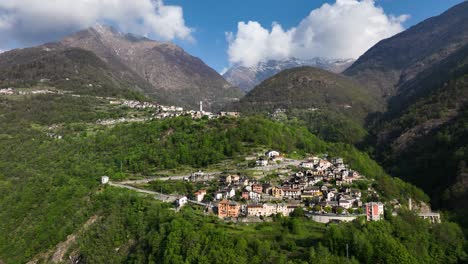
<point>50,188</point>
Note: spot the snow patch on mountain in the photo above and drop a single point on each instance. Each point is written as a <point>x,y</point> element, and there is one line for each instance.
<point>246,78</point>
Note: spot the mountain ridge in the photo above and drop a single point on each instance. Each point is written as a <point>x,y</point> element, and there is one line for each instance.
<point>180,77</point>
<point>332,106</point>
<point>72,69</point>
<point>421,73</point>
<point>394,61</point>
<point>246,78</point>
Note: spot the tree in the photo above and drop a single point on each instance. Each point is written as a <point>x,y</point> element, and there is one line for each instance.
<point>317,208</point>
<point>298,212</point>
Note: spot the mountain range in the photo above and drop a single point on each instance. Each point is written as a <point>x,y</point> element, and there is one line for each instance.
<point>160,70</point>
<point>246,78</point>
<point>393,62</point>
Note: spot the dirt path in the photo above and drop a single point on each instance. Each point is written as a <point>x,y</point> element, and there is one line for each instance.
<point>63,247</point>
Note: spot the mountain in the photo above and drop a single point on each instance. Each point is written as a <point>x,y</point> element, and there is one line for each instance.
<point>308,87</point>
<point>422,73</point>
<point>246,78</point>
<point>331,105</point>
<point>423,136</point>
<point>71,69</point>
<point>393,62</point>
<point>171,72</point>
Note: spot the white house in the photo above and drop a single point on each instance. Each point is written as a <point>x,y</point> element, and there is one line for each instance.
<point>231,193</point>
<point>269,209</point>
<point>299,174</point>
<point>219,195</point>
<point>307,165</point>
<point>105,179</point>
<point>292,193</point>
<point>200,195</point>
<point>345,204</point>
<point>272,154</point>
<point>181,201</point>
<point>255,196</point>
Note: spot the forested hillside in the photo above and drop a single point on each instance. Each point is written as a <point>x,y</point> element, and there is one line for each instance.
<point>332,106</point>
<point>69,69</point>
<point>49,189</point>
<point>423,136</point>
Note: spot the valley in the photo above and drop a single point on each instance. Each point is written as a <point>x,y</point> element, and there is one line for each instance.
<point>117,148</point>
<point>67,177</point>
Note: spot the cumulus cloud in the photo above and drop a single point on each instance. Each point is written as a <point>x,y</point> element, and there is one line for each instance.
<point>30,21</point>
<point>345,29</point>
<point>254,43</point>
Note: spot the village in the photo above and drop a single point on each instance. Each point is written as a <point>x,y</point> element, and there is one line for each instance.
<point>325,190</point>
<point>319,187</point>
<point>139,111</point>
<point>154,111</point>
<point>163,111</point>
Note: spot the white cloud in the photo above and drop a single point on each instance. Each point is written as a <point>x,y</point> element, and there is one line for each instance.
<point>254,43</point>
<point>29,21</point>
<point>345,29</point>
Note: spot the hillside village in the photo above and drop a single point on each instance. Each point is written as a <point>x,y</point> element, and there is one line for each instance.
<point>156,111</point>
<point>318,186</point>
<point>325,190</point>
<point>153,131</point>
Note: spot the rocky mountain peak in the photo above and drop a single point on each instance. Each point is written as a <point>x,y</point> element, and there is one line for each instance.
<point>182,78</point>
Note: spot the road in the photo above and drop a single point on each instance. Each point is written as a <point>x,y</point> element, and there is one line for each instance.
<point>158,196</point>
<point>171,178</point>
<point>282,165</point>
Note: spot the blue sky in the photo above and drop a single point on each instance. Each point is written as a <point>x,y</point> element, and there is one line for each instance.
<point>212,18</point>
<point>200,26</point>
